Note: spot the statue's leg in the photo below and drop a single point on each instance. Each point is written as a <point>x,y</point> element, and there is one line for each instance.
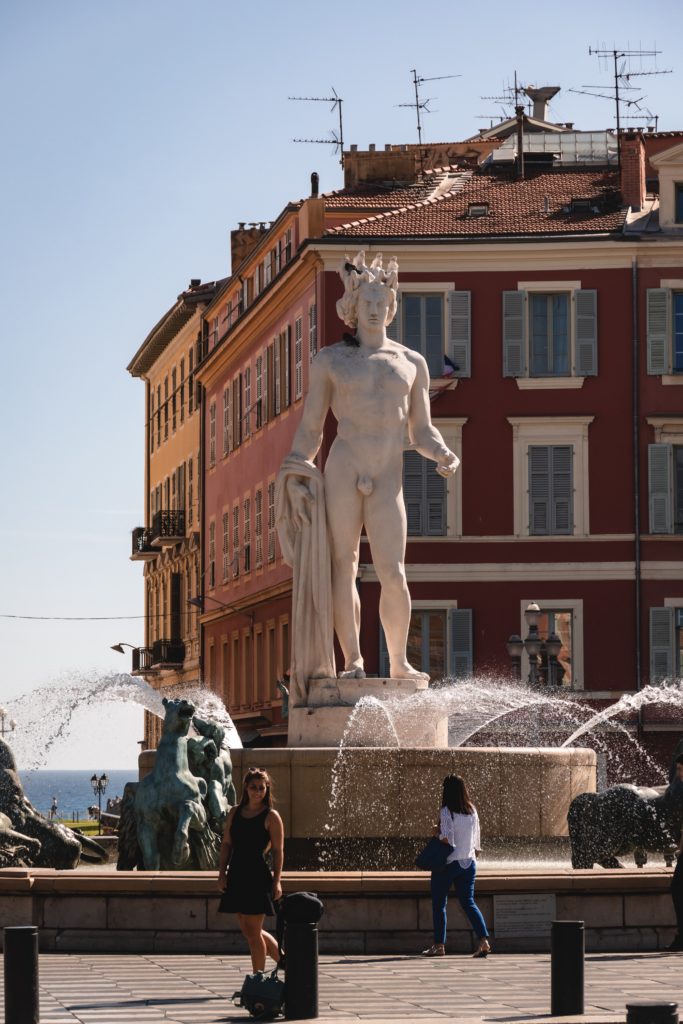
<point>344,506</point>
<point>147,838</point>
<point>385,522</point>
<point>191,816</point>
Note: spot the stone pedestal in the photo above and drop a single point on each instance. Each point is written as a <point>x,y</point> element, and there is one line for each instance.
<point>330,710</point>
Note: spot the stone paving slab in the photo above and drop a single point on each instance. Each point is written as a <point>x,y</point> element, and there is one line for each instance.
<point>503,989</point>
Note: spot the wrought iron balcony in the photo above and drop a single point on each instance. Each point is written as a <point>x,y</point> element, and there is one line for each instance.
<point>142,660</point>
<point>143,549</point>
<point>168,527</point>
<point>168,653</point>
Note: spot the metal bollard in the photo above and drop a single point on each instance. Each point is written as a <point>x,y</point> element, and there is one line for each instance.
<point>21,975</point>
<point>566,968</point>
<point>644,1011</point>
<point>301,971</point>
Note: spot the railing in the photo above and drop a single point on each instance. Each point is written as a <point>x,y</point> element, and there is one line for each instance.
<point>142,659</point>
<point>168,652</point>
<point>168,524</point>
<point>142,542</point>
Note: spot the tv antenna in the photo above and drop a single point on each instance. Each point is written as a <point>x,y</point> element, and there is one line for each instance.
<point>419,104</point>
<point>511,96</point>
<point>622,82</point>
<point>337,137</point>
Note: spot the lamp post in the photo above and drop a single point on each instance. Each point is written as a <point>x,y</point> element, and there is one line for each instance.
<point>534,645</point>
<point>4,718</point>
<point>119,647</point>
<point>98,787</point>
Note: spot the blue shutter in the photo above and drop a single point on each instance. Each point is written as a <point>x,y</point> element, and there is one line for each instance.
<point>539,489</point>
<point>586,333</point>
<point>462,661</point>
<point>660,479</point>
<point>460,332</point>
<point>658,331</point>
<point>514,334</point>
<point>661,644</point>
<point>383,654</point>
<point>562,490</point>
<point>434,505</point>
<point>412,491</point>
<point>424,495</point>
<point>394,328</point>
<point>551,492</point>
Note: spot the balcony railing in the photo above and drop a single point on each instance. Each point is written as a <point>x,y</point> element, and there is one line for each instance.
<point>168,653</point>
<point>143,549</point>
<point>168,527</point>
<point>142,660</point>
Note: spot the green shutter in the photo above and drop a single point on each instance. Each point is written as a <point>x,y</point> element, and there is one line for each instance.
<point>462,661</point>
<point>460,331</point>
<point>658,331</point>
<point>539,489</point>
<point>661,644</point>
<point>424,495</point>
<point>562,490</point>
<point>551,497</point>
<point>586,332</point>
<point>434,505</point>
<point>660,478</point>
<point>394,328</point>
<point>514,334</point>
<point>412,492</point>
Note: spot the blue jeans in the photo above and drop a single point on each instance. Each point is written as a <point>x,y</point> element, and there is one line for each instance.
<point>463,880</point>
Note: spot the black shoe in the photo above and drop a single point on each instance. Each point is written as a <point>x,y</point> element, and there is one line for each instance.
<point>676,946</point>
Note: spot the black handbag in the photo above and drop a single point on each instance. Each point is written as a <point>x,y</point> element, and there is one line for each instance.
<point>262,995</point>
<point>434,855</point>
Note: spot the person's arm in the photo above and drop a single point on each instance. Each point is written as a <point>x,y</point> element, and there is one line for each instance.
<point>447,829</point>
<point>476,834</point>
<point>225,853</point>
<point>277,842</point>
<point>423,434</point>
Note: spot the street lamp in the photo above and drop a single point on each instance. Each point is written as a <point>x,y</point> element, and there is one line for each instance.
<point>11,723</point>
<point>98,787</point>
<point>119,647</point>
<point>535,645</point>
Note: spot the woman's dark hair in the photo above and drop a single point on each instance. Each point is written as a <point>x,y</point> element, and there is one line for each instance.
<point>679,759</point>
<point>253,774</point>
<point>455,796</point>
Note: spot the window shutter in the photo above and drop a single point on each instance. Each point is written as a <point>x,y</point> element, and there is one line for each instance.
<point>562,503</point>
<point>586,332</point>
<point>660,478</point>
<point>661,644</point>
<point>286,338</point>
<point>394,328</point>
<point>176,583</point>
<point>514,334</point>
<point>460,331</point>
<point>383,655</point>
<point>434,515</point>
<point>462,661</point>
<point>412,492</point>
<point>181,486</point>
<point>539,489</point>
<point>658,330</point>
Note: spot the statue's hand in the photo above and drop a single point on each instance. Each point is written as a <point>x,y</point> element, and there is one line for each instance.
<point>447,463</point>
<point>301,500</point>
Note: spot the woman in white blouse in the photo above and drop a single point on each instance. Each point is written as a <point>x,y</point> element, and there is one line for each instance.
<point>459,827</point>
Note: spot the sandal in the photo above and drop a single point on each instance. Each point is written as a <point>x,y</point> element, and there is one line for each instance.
<point>436,950</point>
<point>482,952</point>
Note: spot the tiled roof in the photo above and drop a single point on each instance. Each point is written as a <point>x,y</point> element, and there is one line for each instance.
<point>515,208</point>
<point>393,195</point>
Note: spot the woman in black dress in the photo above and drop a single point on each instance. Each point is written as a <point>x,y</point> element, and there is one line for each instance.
<point>247,883</point>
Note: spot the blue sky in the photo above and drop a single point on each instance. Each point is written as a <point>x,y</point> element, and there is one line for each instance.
<point>136,135</point>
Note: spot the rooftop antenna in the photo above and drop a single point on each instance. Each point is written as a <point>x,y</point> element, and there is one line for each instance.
<point>511,96</point>
<point>622,82</point>
<point>337,139</point>
<point>419,104</point>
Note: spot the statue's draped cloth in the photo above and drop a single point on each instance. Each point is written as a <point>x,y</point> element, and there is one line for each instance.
<point>307,550</point>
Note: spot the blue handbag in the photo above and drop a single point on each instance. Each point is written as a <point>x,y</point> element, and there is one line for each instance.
<point>434,855</point>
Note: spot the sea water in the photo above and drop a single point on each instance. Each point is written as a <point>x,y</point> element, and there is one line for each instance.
<point>72,789</point>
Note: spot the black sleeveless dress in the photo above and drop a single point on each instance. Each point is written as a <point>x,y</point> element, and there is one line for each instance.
<point>249,888</point>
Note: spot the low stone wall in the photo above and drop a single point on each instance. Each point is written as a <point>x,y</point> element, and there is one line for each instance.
<point>365,912</point>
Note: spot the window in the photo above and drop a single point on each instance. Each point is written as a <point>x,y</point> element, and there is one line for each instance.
<point>151,420</point>
<point>236,540</point>
<point>420,324</point>
<point>665,477</point>
<point>165,408</point>
<point>666,640</point>
<point>678,202</point>
<point>286,345</point>
<point>190,381</point>
<point>212,554</point>
<point>277,403</point>
<point>439,642</point>
<point>312,330</point>
<point>259,392</point>
<point>565,618</point>
<point>226,546</point>
<point>236,435</point>
<point>212,434</point>
<point>227,422</point>
<point>550,489</point>
<point>271,521</point>
<point>182,390</point>
<point>424,493</point>
<point>550,334</point>
<point>158,415</point>
<point>550,475</point>
<point>665,330</point>
<point>247,401</point>
<point>174,399</point>
<point>190,490</point>
<point>477,209</point>
<point>246,513</point>
<point>298,357</point>
<point>258,527</point>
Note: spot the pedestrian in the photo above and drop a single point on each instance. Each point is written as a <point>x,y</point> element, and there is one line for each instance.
<point>247,883</point>
<point>677,880</point>
<point>53,809</point>
<point>459,827</point>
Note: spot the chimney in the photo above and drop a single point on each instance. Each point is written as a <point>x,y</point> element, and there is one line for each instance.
<point>243,241</point>
<point>315,184</point>
<point>541,98</point>
<point>632,169</point>
<point>519,111</point>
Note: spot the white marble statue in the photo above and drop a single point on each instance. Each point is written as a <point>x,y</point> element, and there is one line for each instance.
<point>378,390</point>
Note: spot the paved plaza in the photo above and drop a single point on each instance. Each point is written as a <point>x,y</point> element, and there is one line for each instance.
<point>125,989</point>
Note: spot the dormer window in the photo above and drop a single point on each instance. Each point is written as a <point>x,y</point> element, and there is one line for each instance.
<point>580,207</point>
<point>477,209</point>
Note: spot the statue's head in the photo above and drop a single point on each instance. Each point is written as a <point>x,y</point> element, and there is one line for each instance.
<point>367,286</point>
<point>178,716</point>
